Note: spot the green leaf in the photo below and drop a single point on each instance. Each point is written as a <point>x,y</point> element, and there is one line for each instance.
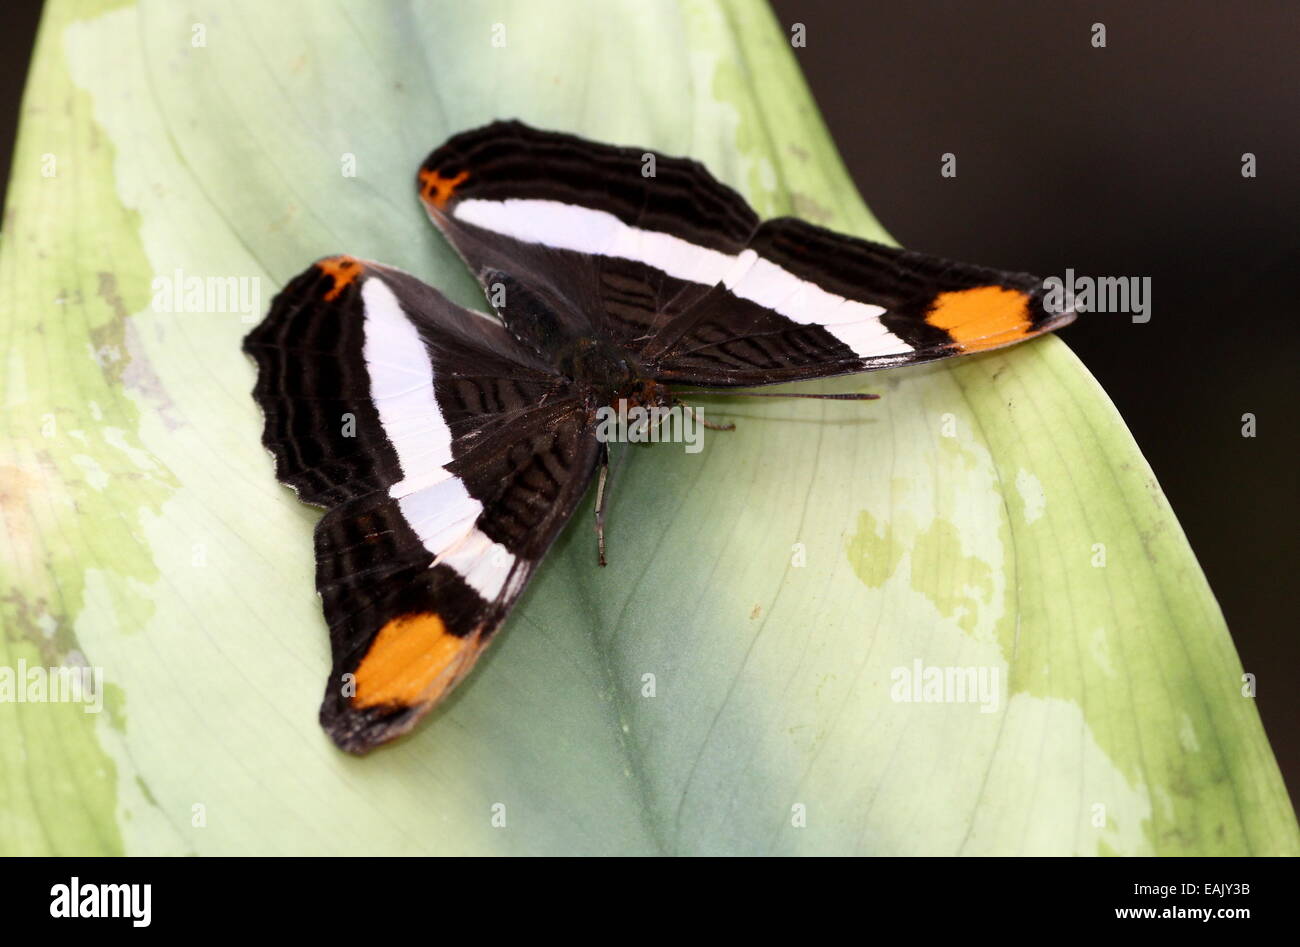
<point>779,585</point>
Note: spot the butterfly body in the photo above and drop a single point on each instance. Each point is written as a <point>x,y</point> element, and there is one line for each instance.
<point>602,372</point>
<point>450,447</point>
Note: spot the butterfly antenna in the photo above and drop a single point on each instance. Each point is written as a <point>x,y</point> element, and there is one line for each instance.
<point>827,396</point>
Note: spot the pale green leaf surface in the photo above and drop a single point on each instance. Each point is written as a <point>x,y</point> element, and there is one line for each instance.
<point>954,522</point>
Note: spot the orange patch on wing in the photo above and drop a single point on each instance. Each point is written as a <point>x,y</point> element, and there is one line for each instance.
<point>982,317</point>
<point>406,661</point>
<point>436,189</point>
<point>343,270</point>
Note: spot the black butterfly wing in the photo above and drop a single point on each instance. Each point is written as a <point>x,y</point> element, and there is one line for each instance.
<point>556,212</point>
<point>449,459</point>
<point>806,302</point>
<point>678,269</point>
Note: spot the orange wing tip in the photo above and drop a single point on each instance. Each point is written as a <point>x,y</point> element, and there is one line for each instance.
<point>344,270</point>
<point>436,190</point>
<point>413,660</point>
<point>982,317</point>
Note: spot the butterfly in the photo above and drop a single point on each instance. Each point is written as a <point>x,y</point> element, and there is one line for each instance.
<point>450,447</point>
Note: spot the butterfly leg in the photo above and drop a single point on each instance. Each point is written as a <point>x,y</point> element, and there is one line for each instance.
<point>600,502</point>
<point>708,426</point>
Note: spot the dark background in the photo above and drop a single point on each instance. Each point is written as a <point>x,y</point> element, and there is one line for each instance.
<point>1123,161</point>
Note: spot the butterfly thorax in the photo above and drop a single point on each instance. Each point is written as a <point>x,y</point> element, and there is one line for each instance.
<point>603,371</point>
<point>607,374</point>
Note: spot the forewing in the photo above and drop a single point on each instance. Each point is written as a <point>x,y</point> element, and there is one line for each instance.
<point>611,231</point>
<point>805,302</point>
<point>676,267</point>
